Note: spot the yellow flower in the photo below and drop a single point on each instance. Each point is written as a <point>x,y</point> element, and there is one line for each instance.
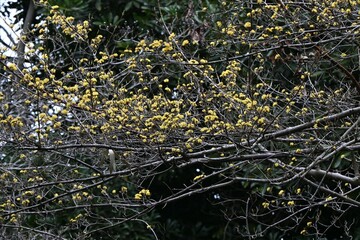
<point>328,198</point>
<point>13,218</point>
<point>199,177</point>
<point>247,25</point>
<point>124,189</point>
<point>281,193</point>
<point>25,202</point>
<point>28,193</point>
<point>185,42</point>
<point>12,66</point>
<point>291,203</point>
<point>145,192</point>
<point>172,36</point>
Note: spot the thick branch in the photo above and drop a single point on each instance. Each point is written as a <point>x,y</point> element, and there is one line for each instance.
<point>27,23</point>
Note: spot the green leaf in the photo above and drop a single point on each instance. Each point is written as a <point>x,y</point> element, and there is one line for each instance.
<point>337,163</point>
<point>318,73</point>
<point>98,5</point>
<point>128,6</point>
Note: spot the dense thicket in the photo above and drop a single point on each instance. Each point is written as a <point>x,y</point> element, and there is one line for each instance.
<point>186,120</point>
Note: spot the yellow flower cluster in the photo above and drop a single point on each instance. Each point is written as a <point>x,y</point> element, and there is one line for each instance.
<point>79,31</point>
<point>143,193</point>
<point>77,218</point>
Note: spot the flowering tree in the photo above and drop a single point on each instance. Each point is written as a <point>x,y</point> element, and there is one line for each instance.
<point>253,103</point>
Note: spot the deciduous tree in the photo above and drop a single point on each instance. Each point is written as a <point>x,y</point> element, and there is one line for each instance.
<point>253,105</point>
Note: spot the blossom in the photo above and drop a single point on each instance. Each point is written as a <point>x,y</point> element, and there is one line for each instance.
<point>247,25</point>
